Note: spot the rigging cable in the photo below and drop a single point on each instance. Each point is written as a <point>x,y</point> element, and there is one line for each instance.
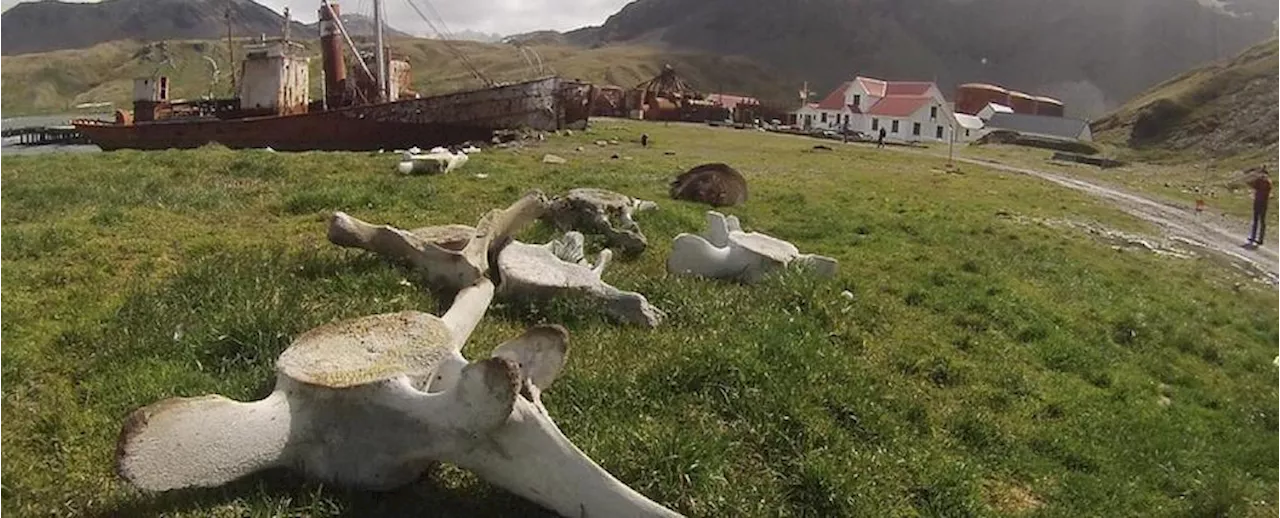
<point>445,41</point>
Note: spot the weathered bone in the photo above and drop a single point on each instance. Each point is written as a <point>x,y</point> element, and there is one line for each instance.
<point>451,256</point>
<point>535,270</point>
<point>348,409</point>
<point>726,252</point>
<point>438,161</point>
<point>594,211</point>
<point>559,267</point>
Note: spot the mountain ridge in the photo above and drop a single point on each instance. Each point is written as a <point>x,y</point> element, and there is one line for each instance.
<point>51,25</point>
<point>1093,54</point>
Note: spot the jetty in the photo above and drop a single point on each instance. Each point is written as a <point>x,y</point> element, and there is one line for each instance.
<point>45,135</point>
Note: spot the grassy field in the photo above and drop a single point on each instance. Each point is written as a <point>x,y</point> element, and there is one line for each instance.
<point>1215,182</point>
<point>54,82</point>
<point>984,366</point>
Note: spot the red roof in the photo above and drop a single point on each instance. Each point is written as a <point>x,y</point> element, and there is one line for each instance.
<point>874,87</point>
<point>880,88</point>
<point>913,88</point>
<point>835,99</point>
<point>915,93</point>
<point>898,106</point>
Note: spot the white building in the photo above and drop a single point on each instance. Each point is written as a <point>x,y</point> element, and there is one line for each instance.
<point>969,127</point>
<point>911,111</point>
<point>991,109</point>
<point>1043,126</point>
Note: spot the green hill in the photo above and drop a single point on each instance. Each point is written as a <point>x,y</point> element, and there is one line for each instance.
<point>1224,111</point>
<point>54,82</point>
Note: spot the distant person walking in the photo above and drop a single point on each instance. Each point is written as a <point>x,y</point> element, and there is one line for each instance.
<point>844,133</point>
<point>880,141</point>
<point>1261,184</point>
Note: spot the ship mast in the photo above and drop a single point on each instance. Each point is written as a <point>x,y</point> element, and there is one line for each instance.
<point>379,54</point>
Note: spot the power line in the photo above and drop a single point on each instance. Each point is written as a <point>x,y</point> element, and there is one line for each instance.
<point>445,41</point>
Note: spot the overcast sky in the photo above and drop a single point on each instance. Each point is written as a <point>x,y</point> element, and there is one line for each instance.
<point>501,16</point>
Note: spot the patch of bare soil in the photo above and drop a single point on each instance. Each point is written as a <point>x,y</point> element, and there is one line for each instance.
<point>1119,240</point>
<point>1010,498</point>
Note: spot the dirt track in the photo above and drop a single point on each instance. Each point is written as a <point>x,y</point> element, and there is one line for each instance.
<point>1174,221</point>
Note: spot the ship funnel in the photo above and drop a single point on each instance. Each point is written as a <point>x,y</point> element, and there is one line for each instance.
<point>335,67</point>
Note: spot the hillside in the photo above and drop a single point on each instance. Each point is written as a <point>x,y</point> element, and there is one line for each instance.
<point>54,82</point>
<point>1091,53</point>
<point>51,25</point>
<point>1226,110</point>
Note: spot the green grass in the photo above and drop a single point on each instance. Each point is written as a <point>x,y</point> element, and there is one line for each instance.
<point>1180,183</point>
<point>982,367</point>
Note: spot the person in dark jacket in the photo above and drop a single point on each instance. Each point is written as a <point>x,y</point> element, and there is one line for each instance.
<point>1261,184</point>
<point>880,141</point>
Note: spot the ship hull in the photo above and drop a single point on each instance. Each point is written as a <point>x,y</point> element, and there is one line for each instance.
<point>546,104</point>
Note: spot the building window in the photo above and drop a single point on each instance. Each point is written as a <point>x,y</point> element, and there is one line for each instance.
<point>966,133</point>
<point>824,116</point>
<point>939,132</point>
<point>895,127</point>
<point>857,100</point>
<point>915,129</point>
<point>875,124</point>
<point>933,112</point>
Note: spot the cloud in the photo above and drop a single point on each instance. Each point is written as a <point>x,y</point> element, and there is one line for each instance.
<point>490,16</point>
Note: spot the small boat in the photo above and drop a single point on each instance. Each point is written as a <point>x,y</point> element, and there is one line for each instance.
<point>372,110</point>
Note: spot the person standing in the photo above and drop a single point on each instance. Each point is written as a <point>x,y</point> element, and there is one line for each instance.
<point>880,141</point>
<point>1261,185</point>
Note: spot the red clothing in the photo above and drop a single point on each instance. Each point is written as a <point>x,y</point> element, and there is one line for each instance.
<point>1261,188</point>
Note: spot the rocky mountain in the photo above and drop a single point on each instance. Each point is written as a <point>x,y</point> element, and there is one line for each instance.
<point>53,25</point>
<point>360,25</point>
<point>1093,54</point>
<point>1224,110</point>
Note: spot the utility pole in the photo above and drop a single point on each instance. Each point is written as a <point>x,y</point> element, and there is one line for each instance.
<point>951,147</point>
<point>380,53</point>
<point>231,52</point>
<point>287,22</point>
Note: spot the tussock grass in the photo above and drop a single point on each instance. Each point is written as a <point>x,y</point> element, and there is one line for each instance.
<point>980,367</point>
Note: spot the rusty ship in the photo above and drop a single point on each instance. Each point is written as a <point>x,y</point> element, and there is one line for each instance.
<point>365,108</point>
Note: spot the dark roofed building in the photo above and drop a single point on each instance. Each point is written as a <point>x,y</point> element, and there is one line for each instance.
<point>1062,128</point>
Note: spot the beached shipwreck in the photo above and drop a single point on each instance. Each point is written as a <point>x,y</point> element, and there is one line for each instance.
<point>369,106</point>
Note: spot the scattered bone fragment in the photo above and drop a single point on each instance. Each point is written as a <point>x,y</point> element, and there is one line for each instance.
<point>604,213</point>
<point>450,256</point>
<point>438,161</point>
<point>726,252</point>
<point>560,267</point>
